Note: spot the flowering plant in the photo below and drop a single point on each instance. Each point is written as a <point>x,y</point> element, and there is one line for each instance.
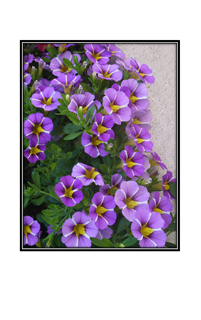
<point>90,178</point>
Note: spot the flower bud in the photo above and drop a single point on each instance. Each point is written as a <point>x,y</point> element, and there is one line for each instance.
<point>68,97</point>
<point>94,75</point>
<point>84,65</point>
<point>79,90</point>
<point>41,65</point>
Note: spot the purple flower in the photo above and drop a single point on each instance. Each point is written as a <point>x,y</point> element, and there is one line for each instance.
<point>67,81</point>
<point>102,127</point>
<point>46,99</point>
<point>133,162</point>
<point>141,138</point>
<point>116,181</point>
<point>143,71</point>
<point>146,227</point>
<point>85,100</point>
<point>130,198</point>
<point>35,151</point>
<point>38,127</point>
<point>163,206</point>
<point>105,233</point>
<point>27,79</point>
<point>157,161</point>
<point>96,53</point>
<point>58,67</point>
<point>141,118</point>
<point>50,230</point>
<point>116,105</point>
<point>114,51</point>
<point>68,191</point>
<point>42,64</point>
<point>78,230</point>
<point>166,188</point>
<point>87,174</point>
<point>126,63</point>
<point>93,146</point>
<point>107,71</point>
<point>101,210</point>
<point>28,59</point>
<point>137,95</point>
<point>30,230</point>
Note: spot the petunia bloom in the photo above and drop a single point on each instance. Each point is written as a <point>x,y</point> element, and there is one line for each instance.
<point>132,162</point>
<point>27,59</point>
<point>107,71</point>
<point>116,181</point>
<point>105,233</point>
<point>93,146</point>
<point>67,81</point>
<point>85,100</point>
<point>126,63</point>
<point>35,151</point>
<point>102,127</point>
<point>167,178</point>
<point>141,118</point>
<point>46,99</point>
<point>143,71</point>
<point>30,229</point>
<point>116,52</point>
<point>68,191</point>
<point>102,210</point>
<point>87,174</point>
<point>38,127</point>
<point>130,198</point>
<point>141,138</point>
<point>78,230</point>
<point>97,53</point>
<point>147,228</point>
<point>116,105</point>
<point>157,161</point>
<point>57,65</point>
<point>163,206</point>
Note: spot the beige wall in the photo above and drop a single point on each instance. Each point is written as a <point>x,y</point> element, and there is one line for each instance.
<point>161,58</point>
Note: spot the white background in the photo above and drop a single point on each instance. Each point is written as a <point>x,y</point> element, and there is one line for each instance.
<point>100,285</point>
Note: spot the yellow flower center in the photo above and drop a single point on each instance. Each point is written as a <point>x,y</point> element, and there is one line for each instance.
<point>167,187</point>
<point>114,107</point>
<point>91,174</point>
<point>84,109</point>
<point>65,68</point>
<point>130,163</point>
<point>79,229</point>
<point>101,129</point>
<point>105,74</point>
<point>158,210</point>
<point>96,55</point>
<point>133,98</point>
<point>95,141</point>
<point>136,121</point>
<point>69,192</point>
<point>130,203</point>
<point>34,150</point>
<point>100,210</point>
<point>26,230</point>
<point>37,129</point>
<point>48,101</point>
<point>146,231</point>
<point>142,74</point>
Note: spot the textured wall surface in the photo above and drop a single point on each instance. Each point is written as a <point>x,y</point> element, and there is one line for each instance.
<point>161,58</point>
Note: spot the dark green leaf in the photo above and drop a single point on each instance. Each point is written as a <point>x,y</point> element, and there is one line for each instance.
<point>90,113</point>
<point>26,201</point>
<point>39,201</point>
<point>103,167</point>
<point>129,242</point>
<point>73,135</point>
<point>87,88</point>
<point>172,226</point>
<point>36,178</point>
<point>107,243</point>
<point>173,189</point>
<point>97,242</point>
<point>71,128</point>
<point>121,226</point>
<point>68,63</point>
<point>170,245</point>
<point>69,154</point>
<point>72,116</point>
<point>57,130</point>
<point>47,212</point>
<point>32,185</point>
<point>51,191</point>
<point>107,160</point>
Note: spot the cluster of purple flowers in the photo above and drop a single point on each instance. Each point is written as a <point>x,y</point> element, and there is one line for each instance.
<point>121,103</point>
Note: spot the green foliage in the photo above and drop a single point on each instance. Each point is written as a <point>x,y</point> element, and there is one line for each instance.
<point>173,189</point>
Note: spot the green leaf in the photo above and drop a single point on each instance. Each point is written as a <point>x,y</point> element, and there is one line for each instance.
<point>121,226</point>
<point>107,243</point>
<point>87,88</point>
<point>69,154</point>
<point>53,148</point>
<point>90,113</point>
<point>51,191</point>
<point>173,189</point>
<point>129,241</point>
<point>61,101</point>
<point>36,178</point>
<point>71,128</point>
<point>103,167</point>
<point>47,212</point>
<point>39,201</point>
<point>172,226</point>
<point>68,63</point>
<point>72,117</point>
<point>107,161</point>
<point>97,242</point>
<point>26,201</point>
<point>32,185</point>
<point>63,110</point>
<point>72,135</point>
<point>57,130</point>
<point>170,245</point>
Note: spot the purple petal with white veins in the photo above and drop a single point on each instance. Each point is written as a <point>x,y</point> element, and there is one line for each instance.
<point>70,241</point>
<point>32,239</point>
<point>67,181</point>
<point>97,198</point>
<point>155,221</point>
<point>159,237</point>
<point>84,242</point>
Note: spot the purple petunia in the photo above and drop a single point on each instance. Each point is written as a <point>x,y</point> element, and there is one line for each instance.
<point>35,151</point>
<point>157,161</point>
<point>143,71</point>
<point>141,118</point>
<point>27,79</point>
<point>67,81</point>
<point>102,127</point>
<point>116,105</point>
<point>30,230</point>
<point>126,63</point>
<point>116,181</point>
<point>130,198</point>
<point>38,127</point>
<point>166,188</point>
<point>116,52</point>
<point>107,71</point>
<point>46,99</point>
<point>133,162</point>
<point>141,138</point>
<point>93,146</point>
<point>96,53</point>
<point>68,191</point>
<point>105,233</point>
<point>28,59</point>
<point>50,230</point>
<point>163,206</point>
<point>78,230</point>
<point>102,210</point>
<point>87,174</point>
<point>57,65</point>
<point>147,228</point>
<point>85,100</point>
